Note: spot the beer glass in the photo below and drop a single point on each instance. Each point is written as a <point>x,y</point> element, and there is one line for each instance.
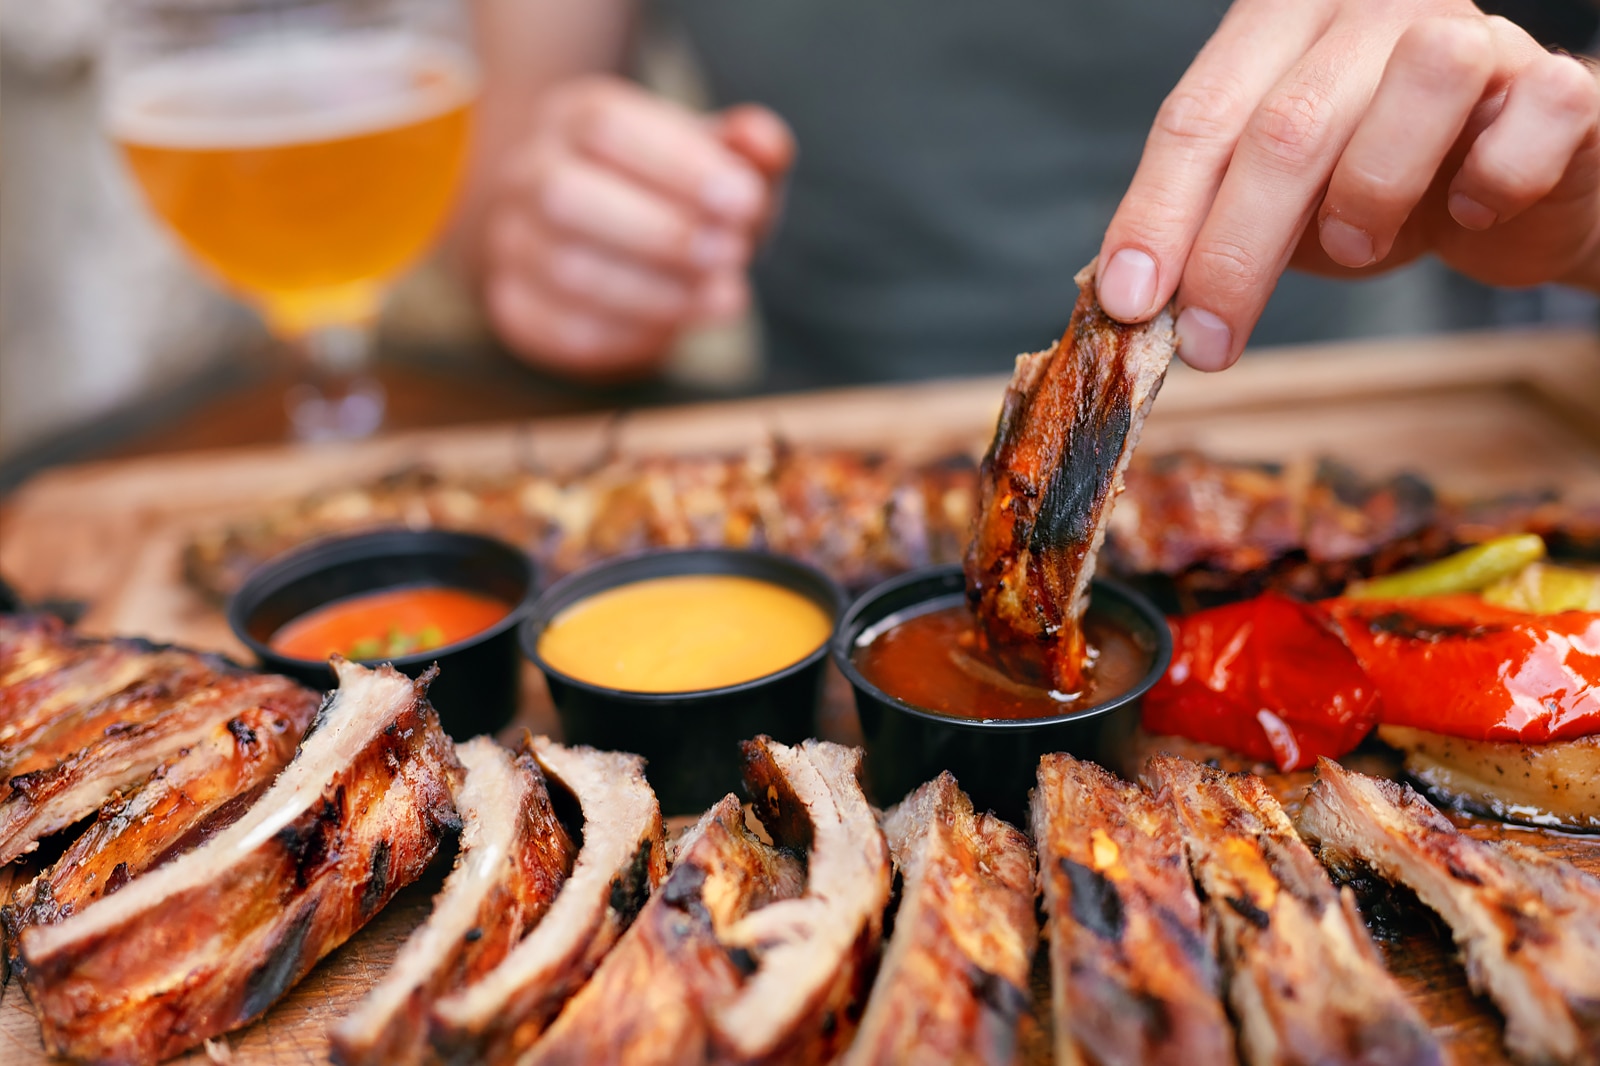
<point>304,152</point>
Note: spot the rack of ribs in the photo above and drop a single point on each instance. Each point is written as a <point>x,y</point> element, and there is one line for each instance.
<point>953,985</point>
<point>1305,981</point>
<point>209,941</point>
<point>622,860</point>
<point>513,858</point>
<point>1527,925</point>
<point>1133,967</point>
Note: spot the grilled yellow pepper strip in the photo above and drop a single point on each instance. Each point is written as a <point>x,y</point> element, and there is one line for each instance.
<point>1544,588</point>
<point>1470,570</point>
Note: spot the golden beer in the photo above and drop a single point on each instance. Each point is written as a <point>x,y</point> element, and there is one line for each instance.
<point>305,182</point>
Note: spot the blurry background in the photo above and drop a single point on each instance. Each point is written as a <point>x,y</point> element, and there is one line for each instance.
<point>110,339</point>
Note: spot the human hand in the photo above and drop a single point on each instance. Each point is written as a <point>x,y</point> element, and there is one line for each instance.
<point>624,218</point>
<point>1346,137</point>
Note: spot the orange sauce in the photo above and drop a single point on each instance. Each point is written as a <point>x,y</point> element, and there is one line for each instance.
<point>684,634</point>
<point>935,661</point>
<point>389,624</point>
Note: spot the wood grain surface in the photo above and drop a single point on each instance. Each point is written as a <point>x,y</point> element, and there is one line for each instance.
<point>1476,414</point>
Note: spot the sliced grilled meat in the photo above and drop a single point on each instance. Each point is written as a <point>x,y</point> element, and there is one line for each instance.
<point>1133,968</point>
<point>91,750</point>
<point>1304,980</point>
<point>514,856</point>
<point>187,799</point>
<point>1070,420</point>
<point>651,999</point>
<point>812,956</point>
<point>1528,926</point>
<point>953,985</point>
<point>622,860</point>
<point>212,939</point>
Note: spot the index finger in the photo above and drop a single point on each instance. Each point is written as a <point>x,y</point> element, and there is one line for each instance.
<point>1188,150</point>
<point>672,150</point>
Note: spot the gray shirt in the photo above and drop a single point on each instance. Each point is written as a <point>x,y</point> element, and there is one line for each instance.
<point>959,161</point>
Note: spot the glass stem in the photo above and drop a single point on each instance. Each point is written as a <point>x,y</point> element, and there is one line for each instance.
<point>337,397</point>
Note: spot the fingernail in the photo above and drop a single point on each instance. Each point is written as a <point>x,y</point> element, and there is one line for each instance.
<point>1204,340</point>
<point>1470,213</point>
<point>715,248</point>
<point>733,194</point>
<point>1127,286</point>
<point>1345,244</point>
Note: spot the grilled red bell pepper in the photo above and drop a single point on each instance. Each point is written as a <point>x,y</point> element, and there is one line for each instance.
<point>1466,668</point>
<point>1270,677</point>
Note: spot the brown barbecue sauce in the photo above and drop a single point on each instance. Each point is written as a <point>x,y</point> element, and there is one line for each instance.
<point>935,660</point>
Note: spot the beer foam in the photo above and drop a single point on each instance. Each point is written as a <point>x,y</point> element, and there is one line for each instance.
<point>293,92</point>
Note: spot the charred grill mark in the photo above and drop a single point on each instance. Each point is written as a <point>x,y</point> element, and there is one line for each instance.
<point>377,889</point>
<point>1077,487</point>
<point>270,980</point>
<point>241,732</point>
<point>308,845</point>
<point>1096,904</point>
<point>1400,624</point>
<point>118,877</point>
<point>1246,908</point>
<point>631,888</point>
<point>1000,997</point>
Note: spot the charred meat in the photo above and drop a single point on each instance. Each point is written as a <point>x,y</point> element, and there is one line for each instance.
<point>187,799</point>
<point>651,1000</point>
<point>622,860</point>
<point>1133,969</point>
<point>1527,925</point>
<point>513,857</point>
<point>84,718</point>
<point>1303,978</point>
<point>953,984</point>
<point>210,940</point>
<point>811,957</point>
<point>1070,421</point>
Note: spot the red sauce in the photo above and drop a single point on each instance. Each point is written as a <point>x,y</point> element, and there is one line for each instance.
<point>389,624</point>
<point>934,660</point>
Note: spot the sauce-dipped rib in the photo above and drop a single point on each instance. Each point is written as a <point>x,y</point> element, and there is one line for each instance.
<point>1305,981</point>
<point>812,956</point>
<point>188,798</point>
<point>1527,925</point>
<point>81,718</point>
<point>650,1002</point>
<point>513,857</point>
<point>210,940</point>
<point>953,985</point>
<point>1134,974</point>
<point>1068,426</point>
<point>622,860</point>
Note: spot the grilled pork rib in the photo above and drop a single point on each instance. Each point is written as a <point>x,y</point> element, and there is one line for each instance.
<point>188,798</point>
<point>1133,969</point>
<point>514,856</point>
<point>1069,423</point>
<point>953,985</point>
<point>73,763</point>
<point>210,940</point>
<point>651,999</point>
<point>622,860</point>
<point>1304,980</point>
<point>1528,926</point>
<point>812,956</point>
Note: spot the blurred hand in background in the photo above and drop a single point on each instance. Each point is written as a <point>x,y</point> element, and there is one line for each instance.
<point>620,218</point>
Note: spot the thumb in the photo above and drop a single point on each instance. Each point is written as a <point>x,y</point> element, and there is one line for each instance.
<point>758,134</point>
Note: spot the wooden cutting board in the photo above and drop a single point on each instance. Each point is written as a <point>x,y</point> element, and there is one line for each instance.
<point>1475,414</point>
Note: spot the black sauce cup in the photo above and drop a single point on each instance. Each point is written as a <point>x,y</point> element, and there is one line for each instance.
<point>995,761</point>
<point>479,677</point>
<point>689,739</point>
